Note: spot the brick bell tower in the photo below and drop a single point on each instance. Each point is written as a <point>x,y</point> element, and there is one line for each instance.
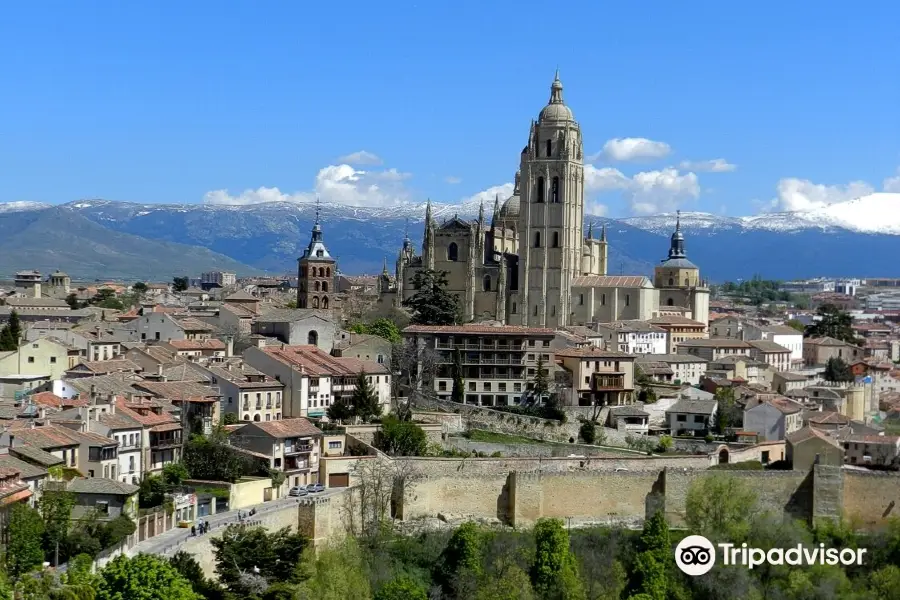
<point>317,273</point>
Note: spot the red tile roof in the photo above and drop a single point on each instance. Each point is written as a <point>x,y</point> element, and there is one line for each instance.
<point>178,391</point>
<point>285,428</point>
<point>314,362</point>
<point>211,344</point>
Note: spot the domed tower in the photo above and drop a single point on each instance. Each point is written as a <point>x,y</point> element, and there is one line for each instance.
<point>551,213</point>
<point>678,280</point>
<point>315,285</point>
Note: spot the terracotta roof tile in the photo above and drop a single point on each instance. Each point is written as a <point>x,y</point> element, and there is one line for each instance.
<point>285,428</point>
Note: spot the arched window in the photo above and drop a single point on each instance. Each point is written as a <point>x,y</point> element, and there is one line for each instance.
<point>312,338</point>
<point>671,281</point>
<point>487,283</point>
<point>556,239</point>
<point>316,286</point>
<point>325,302</point>
<point>320,253</point>
<point>537,239</point>
<point>549,148</point>
<point>453,252</point>
<point>315,303</point>
<point>554,190</point>
<point>246,417</point>
<point>256,418</point>
<point>328,272</point>
<point>540,189</point>
<point>687,282</point>
<point>670,302</point>
<point>321,271</point>
<point>324,286</point>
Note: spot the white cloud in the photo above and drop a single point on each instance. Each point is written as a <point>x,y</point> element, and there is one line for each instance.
<point>716,165</point>
<point>336,184</point>
<point>802,194</point>
<point>661,191</point>
<point>487,196</point>
<point>452,180</point>
<point>604,180</point>
<point>631,149</point>
<point>892,184</point>
<point>362,157</point>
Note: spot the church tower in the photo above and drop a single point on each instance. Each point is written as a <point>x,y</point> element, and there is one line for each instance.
<point>315,281</point>
<point>551,214</point>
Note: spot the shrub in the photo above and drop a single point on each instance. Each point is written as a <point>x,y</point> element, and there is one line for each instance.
<point>588,432</point>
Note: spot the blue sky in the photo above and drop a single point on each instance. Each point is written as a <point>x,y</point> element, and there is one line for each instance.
<point>191,102</point>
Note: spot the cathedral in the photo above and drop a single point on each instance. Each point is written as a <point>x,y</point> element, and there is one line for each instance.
<point>534,264</point>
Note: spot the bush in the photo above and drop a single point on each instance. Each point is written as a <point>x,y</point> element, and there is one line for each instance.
<point>588,432</point>
<point>749,465</point>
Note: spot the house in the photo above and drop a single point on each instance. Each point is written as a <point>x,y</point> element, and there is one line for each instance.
<point>47,357</point>
<point>630,419</point>
<point>33,475</point>
<point>786,381</point>
<point>94,342</point>
<point>633,337</point>
<point>686,368</point>
<point>160,326</point>
<point>828,421</point>
<point>740,367</point>
<point>659,372</point>
<point>106,498</point>
<point>102,367</point>
<point>13,490</point>
<point>313,379</point>
<point>292,444</point>
<point>128,432</point>
<point>714,348</point>
<point>498,362</point>
<point>749,331</point>
<point>161,434</point>
<point>772,418</point>
<point>197,348</point>
<point>247,392</point>
<point>91,454</point>
<point>597,377</point>
<point>772,353</point>
<point>872,450</point>
<point>692,416</point>
<point>364,346</point>
<point>817,351</point>
<point>197,404</point>
<point>679,329</point>
<point>809,446</point>
<point>298,326</point>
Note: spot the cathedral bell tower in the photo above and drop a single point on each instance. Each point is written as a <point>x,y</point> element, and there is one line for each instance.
<point>315,280</point>
<point>551,214</point>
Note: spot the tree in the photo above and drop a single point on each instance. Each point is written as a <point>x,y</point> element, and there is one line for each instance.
<point>56,511</point>
<point>400,438</point>
<point>106,298</point>
<point>365,399</point>
<point>336,572</point>
<point>24,532</point>
<point>728,413</point>
<point>653,564</point>
<point>180,284</point>
<point>415,367</point>
<point>382,327</point>
<point>836,370</point>
<point>588,432</point>
<point>243,550</point>
<point>401,588</point>
<point>508,582</point>
<point>174,473</point>
<point>11,334</point>
<point>458,393</point>
<point>143,577</point>
<point>340,410</point>
<point>432,304</point>
<point>230,419</point>
<point>463,554</point>
<point>554,572</point>
<point>795,324</point>
<point>833,323</point>
<point>720,507</point>
<point>541,383</point>
<point>139,288</point>
<point>151,491</point>
<point>72,301</point>
<point>188,567</point>
<point>212,458</point>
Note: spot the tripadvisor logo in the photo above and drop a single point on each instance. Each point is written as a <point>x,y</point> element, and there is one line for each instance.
<point>696,555</point>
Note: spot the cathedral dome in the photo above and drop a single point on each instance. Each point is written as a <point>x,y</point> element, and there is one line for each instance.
<point>556,109</point>
<point>510,208</point>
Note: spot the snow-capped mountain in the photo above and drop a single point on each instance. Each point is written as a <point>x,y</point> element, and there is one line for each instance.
<point>22,205</point>
<point>860,237</point>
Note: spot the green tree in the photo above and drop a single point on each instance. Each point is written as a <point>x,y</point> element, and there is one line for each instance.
<point>106,298</point>
<point>336,572</point>
<point>151,491</point>
<point>179,284</point>
<point>884,584</point>
<point>508,582</point>
<point>340,410</point>
<point>463,554</point>
<point>143,577</point>
<point>654,562</point>
<point>728,413</point>
<point>72,301</point>
<point>400,438</point>
<point>554,573</point>
<point>432,304</point>
<point>541,383</point>
<point>188,567</point>
<point>665,444</point>
<point>365,399</point>
<point>401,588</point>
<point>56,511</point>
<point>24,532</point>
<point>241,550</point>
<point>836,370</point>
<point>11,334</point>
<point>795,324</point>
<point>588,432</point>
<point>720,507</point>
<point>212,458</point>
<point>80,572</point>
<point>230,419</point>
<point>174,473</point>
<point>139,288</point>
<point>833,323</point>
<point>383,328</point>
<point>458,392</point>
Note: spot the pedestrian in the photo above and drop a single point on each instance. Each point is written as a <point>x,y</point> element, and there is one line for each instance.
<point>193,531</point>
<point>207,527</point>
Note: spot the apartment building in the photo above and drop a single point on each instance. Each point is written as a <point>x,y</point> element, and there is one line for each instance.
<point>597,376</point>
<point>679,329</point>
<point>292,444</point>
<point>684,368</point>
<point>247,392</point>
<point>817,351</point>
<point>633,337</point>
<point>498,362</point>
<point>714,349</point>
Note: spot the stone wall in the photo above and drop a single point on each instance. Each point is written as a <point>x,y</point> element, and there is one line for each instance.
<point>366,433</point>
<point>870,498</point>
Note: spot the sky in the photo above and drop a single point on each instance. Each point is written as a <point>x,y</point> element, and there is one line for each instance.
<point>701,106</point>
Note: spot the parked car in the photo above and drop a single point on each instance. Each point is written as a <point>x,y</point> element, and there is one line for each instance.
<point>297,490</point>
<point>314,488</point>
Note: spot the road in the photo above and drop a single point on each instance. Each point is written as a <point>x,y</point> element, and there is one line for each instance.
<point>167,543</point>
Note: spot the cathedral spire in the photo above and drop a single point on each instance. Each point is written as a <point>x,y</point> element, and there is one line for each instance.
<point>556,89</point>
<point>384,271</point>
<point>481,214</point>
<point>676,248</point>
<point>590,231</point>
<point>496,214</point>
<point>603,233</point>
<point>428,240</point>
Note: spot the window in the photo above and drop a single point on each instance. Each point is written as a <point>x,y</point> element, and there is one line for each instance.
<point>602,299</point>
<point>453,252</point>
<point>554,190</point>
<point>328,273</point>
<point>268,417</point>
<point>52,360</point>
<point>553,311</point>
<point>442,386</point>
<point>316,286</point>
<point>627,299</point>
<point>671,281</point>
<point>246,418</point>
<point>681,418</point>
<point>487,283</point>
<point>324,286</point>
<point>535,311</point>
<point>31,359</point>
<point>549,148</point>
<point>514,308</point>
<point>471,386</point>
<point>556,239</point>
<point>313,338</point>
<point>102,507</point>
<point>157,335</point>
<point>256,418</point>
<point>540,189</point>
<point>580,298</point>
<point>319,253</point>
<point>487,386</point>
<point>334,445</point>
<point>325,302</point>
<point>315,302</point>
<point>537,239</point>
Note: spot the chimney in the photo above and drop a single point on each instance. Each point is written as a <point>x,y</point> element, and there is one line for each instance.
<point>31,424</point>
<point>42,412</point>
<point>93,393</point>
<point>112,404</point>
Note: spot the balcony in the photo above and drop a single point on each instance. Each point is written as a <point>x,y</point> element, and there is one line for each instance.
<point>162,442</point>
<point>298,449</point>
<point>603,382</point>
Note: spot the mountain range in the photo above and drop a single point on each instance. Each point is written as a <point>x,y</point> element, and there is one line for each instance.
<point>110,239</point>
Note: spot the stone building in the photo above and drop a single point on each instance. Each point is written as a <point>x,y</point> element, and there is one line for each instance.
<point>534,264</point>
<point>316,274</point>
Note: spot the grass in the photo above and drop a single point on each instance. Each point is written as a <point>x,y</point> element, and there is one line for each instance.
<point>480,435</point>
